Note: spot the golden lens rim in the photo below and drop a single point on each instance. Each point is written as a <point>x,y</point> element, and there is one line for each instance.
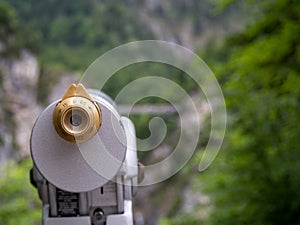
<point>88,109</point>
<point>73,129</point>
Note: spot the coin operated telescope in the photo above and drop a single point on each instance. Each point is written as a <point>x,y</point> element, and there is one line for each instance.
<point>85,161</point>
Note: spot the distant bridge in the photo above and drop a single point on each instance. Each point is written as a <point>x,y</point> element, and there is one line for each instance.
<point>152,109</point>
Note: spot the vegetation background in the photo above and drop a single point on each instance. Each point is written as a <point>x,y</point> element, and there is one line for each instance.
<point>254,49</point>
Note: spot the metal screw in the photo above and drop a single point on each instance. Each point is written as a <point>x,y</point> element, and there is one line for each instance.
<point>98,214</point>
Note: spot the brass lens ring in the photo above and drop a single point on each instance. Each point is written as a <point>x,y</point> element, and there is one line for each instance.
<point>77,119</point>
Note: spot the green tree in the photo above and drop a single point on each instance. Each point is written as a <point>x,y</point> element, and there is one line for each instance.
<point>19,200</point>
<point>8,27</point>
<point>74,33</point>
<point>13,35</point>
<point>256,178</point>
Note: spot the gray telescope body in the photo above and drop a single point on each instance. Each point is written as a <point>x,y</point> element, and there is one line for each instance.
<point>89,183</point>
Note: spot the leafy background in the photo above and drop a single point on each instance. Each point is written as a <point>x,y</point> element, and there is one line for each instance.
<point>256,58</point>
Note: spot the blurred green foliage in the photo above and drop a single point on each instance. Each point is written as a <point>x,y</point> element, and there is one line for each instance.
<point>14,36</point>
<point>256,178</point>
<point>74,33</point>
<point>145,69</point>
<point>19,202</point>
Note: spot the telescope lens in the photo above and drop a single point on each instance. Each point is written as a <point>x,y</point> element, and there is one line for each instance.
<point>76,120</point>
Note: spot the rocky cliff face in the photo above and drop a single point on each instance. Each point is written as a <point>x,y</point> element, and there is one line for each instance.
<point>191,23</point>
<point>19,107</point>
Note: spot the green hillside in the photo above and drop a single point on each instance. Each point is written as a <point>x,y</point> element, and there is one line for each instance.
<point>255,178</point>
